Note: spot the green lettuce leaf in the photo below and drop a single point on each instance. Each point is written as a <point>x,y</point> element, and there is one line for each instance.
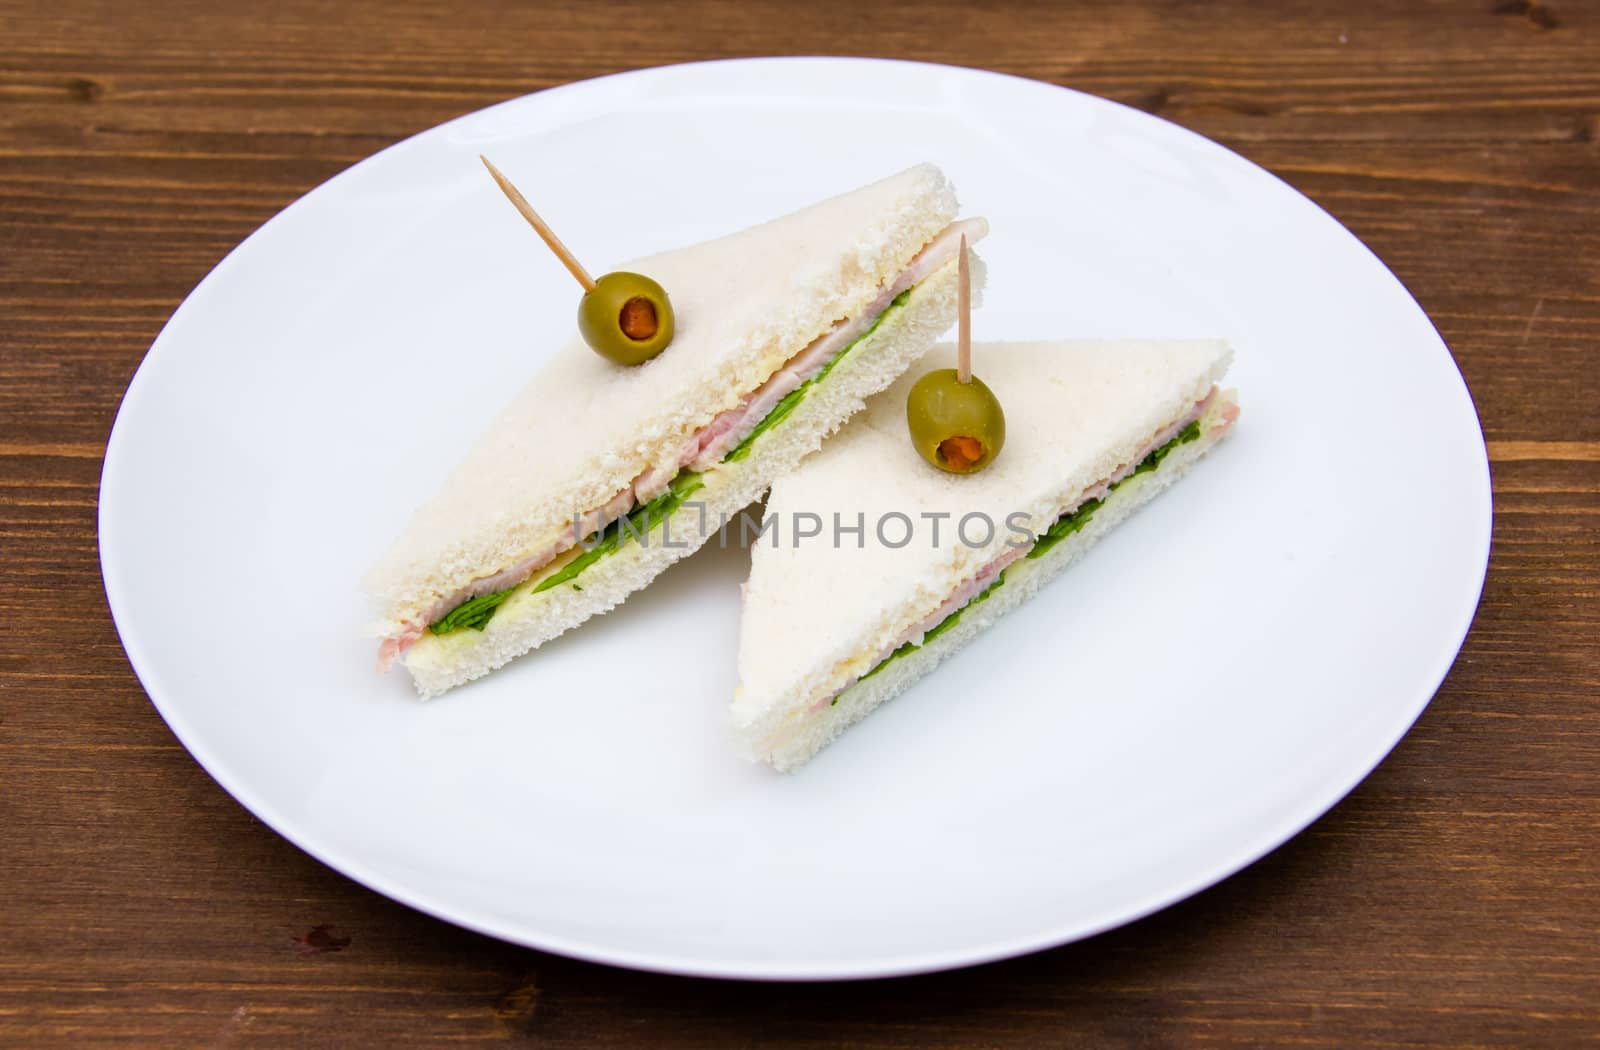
<point>1068,524</point>
<point>473,613</point>
<point>936,630</point>
<point>1064,526</point>
<point>476,612</point>
<point>787,405</point>
<point>638,521</point>
<point>1153,460</point>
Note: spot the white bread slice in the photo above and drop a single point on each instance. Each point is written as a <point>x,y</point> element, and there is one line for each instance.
<point>584,428</point>
<point>1023,579</point>
<point>817,616</point>
<point>529,619</point>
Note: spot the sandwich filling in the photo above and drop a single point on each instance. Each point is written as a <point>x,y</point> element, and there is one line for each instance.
<point>1208,417</point>
<point>661,489</point>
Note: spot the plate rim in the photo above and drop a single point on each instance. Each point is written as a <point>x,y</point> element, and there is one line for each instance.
<point>1265,839</point>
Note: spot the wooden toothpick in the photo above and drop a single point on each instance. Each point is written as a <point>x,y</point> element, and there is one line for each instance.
<point>964,321</point>
<point>540,226</point>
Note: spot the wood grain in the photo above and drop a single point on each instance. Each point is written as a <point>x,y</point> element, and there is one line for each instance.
<point>1453,899</point>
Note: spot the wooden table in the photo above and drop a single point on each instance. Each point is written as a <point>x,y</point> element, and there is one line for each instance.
<point>1452,899</point>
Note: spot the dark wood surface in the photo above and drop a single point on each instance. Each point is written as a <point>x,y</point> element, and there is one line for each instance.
<point>1453,899</point>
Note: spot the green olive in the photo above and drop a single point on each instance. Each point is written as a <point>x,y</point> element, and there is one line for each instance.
<point>956,426</point>
<point>626,318</point>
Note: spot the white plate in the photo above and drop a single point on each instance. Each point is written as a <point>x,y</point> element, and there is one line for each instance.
<point>1209,680</point>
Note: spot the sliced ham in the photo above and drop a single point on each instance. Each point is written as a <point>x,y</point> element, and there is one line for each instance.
<point>394,645</point>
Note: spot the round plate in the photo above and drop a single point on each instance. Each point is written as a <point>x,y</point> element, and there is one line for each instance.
<point>1209,680</point>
